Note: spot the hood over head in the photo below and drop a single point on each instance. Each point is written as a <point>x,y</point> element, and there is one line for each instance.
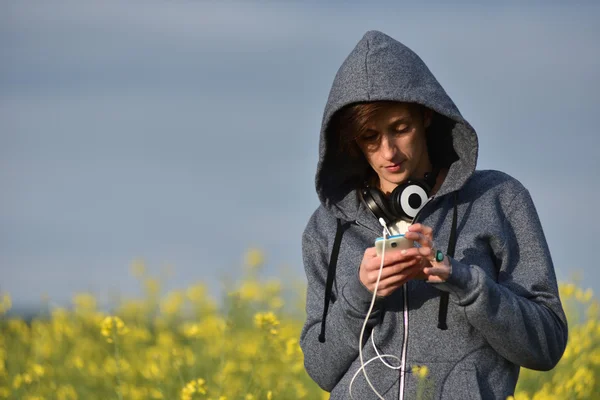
<point>380,68</point>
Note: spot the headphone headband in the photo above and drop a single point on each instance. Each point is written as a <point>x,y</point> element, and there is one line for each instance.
<point>405,201</point>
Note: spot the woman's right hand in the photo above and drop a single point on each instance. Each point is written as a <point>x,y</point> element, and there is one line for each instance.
<point>398,268</point>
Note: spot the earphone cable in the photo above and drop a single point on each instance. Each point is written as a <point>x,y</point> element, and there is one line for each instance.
<point>385,233</point>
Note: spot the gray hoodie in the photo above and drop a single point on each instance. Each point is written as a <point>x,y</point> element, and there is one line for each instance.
<point>504,311</point>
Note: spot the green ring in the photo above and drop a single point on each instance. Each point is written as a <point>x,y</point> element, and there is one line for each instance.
<point>439,256</point>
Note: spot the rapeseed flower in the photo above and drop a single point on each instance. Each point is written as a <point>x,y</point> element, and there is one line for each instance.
<point>37,370</point>
<point>254,258</point>
<point>519,396</point>
<point>250,291</point>
<point>138,268</point>
<point>246,346</point>
<point>276,303</point>
<point>172,303</point>
<point>152,287</point>
<point>5,304</point>
<point>84,303</point>
<point>191,330</point>
<point>112,327</point>
<point>267,321</point>
<point>75,362</point>
<point>66,392</point>
<point>196,293</point>
<point>19,328</point>
<point>421,371</point>
<point>566,290</point>
<point>21,379</point>
<point>584,296</point>
<point>196,386</point>
<point>152,371</point>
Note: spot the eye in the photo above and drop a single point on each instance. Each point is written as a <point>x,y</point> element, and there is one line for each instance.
<point>402,128</point>
<point>369,141</point>
<point>371,137</point>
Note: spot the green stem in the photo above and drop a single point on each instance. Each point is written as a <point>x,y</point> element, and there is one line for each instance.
<point>180,376</point>
<point>117,358</point>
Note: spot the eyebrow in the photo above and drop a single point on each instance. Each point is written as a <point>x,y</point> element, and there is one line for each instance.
<point>404,119</point>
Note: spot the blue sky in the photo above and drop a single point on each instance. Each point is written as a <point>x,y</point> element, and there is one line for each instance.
<point>184,132</point>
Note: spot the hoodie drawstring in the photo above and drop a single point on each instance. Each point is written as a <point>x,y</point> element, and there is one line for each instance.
<point>443,311</point>
<point>330,275</point>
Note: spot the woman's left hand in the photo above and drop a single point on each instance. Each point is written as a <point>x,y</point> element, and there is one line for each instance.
<point>434,271</point>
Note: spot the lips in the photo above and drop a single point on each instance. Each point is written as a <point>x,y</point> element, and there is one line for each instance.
<point>393,167</point>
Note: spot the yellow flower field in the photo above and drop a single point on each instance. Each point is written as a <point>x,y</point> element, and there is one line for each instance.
<point>185,345</point>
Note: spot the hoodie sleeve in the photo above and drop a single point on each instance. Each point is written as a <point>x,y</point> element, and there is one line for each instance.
<point>327,362</point>
<point>520,314</point>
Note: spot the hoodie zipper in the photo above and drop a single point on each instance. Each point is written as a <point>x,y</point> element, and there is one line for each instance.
<point>404,312</point>
<point>405,322</point>
<point>404,342</point>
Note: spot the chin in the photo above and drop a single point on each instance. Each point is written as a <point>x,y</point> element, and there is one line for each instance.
<point>398,177</point>
<point>395,179</point>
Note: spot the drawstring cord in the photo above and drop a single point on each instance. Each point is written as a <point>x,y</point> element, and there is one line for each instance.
<point>330,275</point>
<point>443,310</point>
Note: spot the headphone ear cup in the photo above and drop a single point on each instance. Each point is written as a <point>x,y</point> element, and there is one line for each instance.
<point>377,203</point>
<point>408,199</point>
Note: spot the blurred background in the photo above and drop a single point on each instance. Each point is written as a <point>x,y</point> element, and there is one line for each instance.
<point>183,133</point>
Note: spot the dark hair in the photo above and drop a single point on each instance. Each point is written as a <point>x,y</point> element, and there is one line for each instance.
<point>349,124</point>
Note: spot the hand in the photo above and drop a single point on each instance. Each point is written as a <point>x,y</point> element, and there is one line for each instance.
<point>398,268</point>
<point>435,272</point>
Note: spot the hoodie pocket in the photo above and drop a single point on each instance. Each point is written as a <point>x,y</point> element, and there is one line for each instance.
<point>466,387</point>
<point>446,381</point>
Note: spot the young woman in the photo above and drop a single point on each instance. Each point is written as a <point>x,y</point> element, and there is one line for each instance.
<point>474,300</point>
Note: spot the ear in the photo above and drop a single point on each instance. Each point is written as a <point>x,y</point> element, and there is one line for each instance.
<point>427,117</point>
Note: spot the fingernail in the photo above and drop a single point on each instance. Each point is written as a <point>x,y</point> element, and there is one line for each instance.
<point>403,252</point>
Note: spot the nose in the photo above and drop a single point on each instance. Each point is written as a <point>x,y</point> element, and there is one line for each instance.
<point>387,147</point>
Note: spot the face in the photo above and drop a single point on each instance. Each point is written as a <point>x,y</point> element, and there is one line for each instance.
<point>394,143</point>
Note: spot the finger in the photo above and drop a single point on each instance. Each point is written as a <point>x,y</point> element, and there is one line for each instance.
<point>394,282</point>
<point>370,252</point>
<point>423,229</point>
<point>397,269</point>
<point>425,251</point>
<point>401,255</point>
<point>416,252</point>
<point>399,279</point>
<point>437,274</point>
<point>407,254</point>
<point>431,270</point>
<point>374,263</point>
<point>396,256</point>
<point>420,238</point>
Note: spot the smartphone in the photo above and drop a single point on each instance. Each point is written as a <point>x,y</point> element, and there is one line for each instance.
<point>396,242</point>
